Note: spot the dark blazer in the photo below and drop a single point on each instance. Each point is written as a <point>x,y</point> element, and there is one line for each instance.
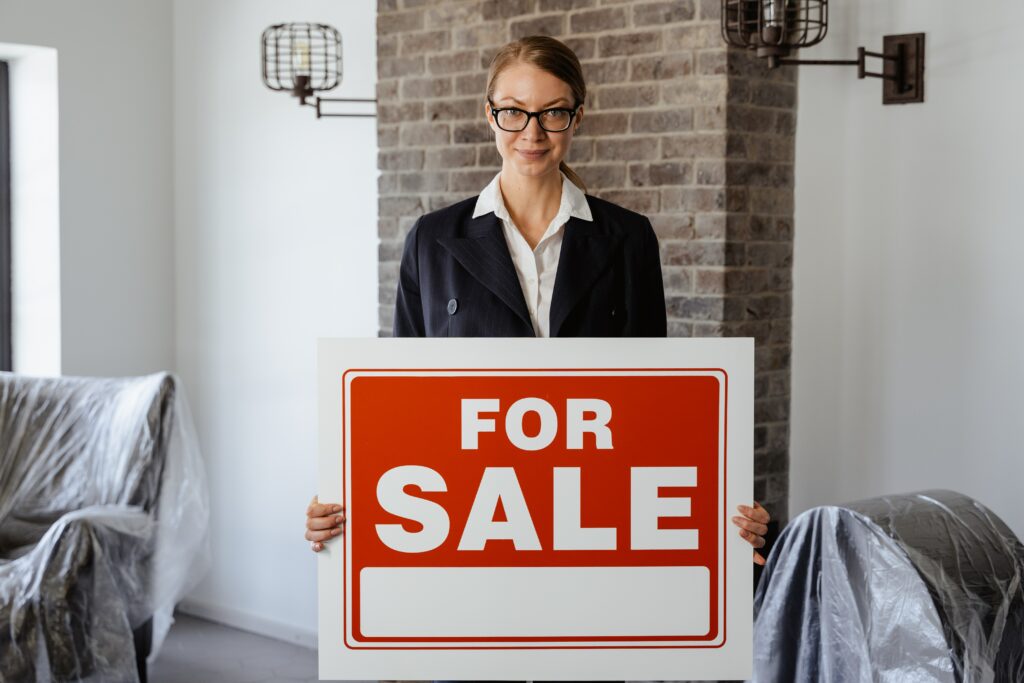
<point>457,278</point>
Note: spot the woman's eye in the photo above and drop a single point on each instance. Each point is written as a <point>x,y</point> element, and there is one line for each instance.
<point>556,116</point>
<point>511,115</point>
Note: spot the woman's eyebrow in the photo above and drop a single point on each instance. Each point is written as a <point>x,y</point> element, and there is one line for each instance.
<point>554,101</point>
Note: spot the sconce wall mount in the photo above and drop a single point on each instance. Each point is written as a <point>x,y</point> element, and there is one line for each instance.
<point>775,28</point>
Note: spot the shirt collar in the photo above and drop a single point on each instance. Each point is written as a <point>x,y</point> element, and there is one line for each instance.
<point>573,203</point>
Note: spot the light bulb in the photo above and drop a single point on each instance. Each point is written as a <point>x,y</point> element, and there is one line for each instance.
<point>300,58</point>
<point>773,12</point>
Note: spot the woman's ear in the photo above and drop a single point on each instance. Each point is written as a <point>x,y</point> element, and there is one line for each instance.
<point>490,119</point>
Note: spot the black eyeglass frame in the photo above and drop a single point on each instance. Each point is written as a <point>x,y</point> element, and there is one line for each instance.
<point>530,115</point>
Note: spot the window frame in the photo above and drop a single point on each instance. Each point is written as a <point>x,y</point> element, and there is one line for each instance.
<point>6,319</point>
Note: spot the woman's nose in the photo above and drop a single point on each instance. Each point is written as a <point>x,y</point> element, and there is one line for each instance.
<point>533,128</point>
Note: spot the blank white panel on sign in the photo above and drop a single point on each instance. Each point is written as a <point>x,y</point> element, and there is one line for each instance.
<point>511,602</point>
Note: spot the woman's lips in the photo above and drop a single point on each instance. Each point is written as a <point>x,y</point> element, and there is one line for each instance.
<point>533,155</point>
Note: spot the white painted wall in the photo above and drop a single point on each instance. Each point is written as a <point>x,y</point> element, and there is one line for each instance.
<point>908,365</point>
<point>276,229</point>
<point>116,267</point>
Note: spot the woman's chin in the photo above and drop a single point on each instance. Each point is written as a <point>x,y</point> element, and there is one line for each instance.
<point>539,167</point>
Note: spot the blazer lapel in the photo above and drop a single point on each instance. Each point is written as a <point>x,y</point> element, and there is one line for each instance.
<point>585,254</point>
<point>484,254</point>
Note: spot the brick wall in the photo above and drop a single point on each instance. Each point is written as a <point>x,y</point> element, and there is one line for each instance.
<point>697,137</point>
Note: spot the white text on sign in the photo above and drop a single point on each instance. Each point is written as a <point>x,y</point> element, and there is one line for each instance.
<point>500,486</point>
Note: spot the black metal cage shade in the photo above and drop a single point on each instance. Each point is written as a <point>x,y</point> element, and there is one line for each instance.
<point>301,57</point>
<point>774,27</point>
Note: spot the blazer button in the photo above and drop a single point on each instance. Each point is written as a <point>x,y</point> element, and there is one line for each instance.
<point>453,305</point>
<point>613,311</point>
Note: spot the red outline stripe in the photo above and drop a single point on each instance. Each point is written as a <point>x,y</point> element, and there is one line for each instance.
<point>519,371</point>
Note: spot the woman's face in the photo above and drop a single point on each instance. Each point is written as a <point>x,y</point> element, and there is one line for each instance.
<point>526,87</point>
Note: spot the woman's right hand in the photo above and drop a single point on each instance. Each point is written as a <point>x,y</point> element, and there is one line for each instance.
<point>323,522</point>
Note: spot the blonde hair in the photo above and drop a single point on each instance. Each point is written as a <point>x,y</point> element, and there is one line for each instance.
<point>554,57</point>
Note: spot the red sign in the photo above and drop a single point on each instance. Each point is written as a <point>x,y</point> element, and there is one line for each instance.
<point>534,508</point>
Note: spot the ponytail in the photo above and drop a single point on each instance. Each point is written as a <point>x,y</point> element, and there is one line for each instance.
<point>573,176</point>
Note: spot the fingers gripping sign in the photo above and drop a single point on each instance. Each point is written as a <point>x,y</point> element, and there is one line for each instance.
<point>753,526</point>
<point>323,522</point>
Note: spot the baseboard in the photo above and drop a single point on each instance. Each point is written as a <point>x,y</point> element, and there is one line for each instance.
<point>249,622</point>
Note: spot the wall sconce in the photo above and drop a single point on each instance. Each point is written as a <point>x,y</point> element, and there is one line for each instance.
<point>303,59</point>
<point>777,27</point>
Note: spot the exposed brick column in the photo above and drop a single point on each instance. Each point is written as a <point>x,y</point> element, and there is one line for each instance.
<point>761,122</point>
<point>696,136</point>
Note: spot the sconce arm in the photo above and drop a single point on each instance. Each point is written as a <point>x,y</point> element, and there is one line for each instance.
<point>320,114</point>
<point>831,62</point>
<point>899,74</point>
<point>902,75</point>
<point>860,63</point>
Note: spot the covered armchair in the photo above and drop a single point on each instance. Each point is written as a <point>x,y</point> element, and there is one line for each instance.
<point>103,523</point>
<point>915,588</point>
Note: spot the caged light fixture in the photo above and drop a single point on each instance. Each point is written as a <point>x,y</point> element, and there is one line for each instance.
<point>774,28</point>
<point>303,59</point>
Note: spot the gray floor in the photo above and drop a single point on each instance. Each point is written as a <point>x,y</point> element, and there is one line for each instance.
<point>198,651</point>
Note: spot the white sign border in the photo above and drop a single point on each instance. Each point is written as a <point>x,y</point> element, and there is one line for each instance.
<point>565,662</point>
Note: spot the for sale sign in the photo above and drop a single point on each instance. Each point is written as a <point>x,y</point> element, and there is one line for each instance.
<point>536,509</point>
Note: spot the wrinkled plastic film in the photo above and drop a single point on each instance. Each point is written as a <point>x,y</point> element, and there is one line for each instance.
<point>912,588</point>
<point>103,521</point>
<point>184,533</point>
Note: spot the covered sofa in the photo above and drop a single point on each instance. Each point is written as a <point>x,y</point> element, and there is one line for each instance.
<point>917,588</point>
<point>103,523</point>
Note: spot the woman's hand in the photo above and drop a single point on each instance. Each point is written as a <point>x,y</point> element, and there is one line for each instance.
<point>323,522</point>
<point>753,524</point>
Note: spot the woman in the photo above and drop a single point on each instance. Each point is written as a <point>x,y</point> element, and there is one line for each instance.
<point>533,254</point>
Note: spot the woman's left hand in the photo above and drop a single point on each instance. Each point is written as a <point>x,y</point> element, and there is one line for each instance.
<point>753,524</point>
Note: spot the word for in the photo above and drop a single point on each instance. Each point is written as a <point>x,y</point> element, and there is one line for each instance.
<point>577,422</point>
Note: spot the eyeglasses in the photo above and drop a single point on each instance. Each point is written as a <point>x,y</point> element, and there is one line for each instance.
<point>514,120</point>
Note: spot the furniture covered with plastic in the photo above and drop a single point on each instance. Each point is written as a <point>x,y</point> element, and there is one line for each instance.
<point>103,522</point>
<point>910,588</point>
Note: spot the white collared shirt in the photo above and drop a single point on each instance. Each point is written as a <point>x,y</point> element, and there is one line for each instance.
<point>536,267</point>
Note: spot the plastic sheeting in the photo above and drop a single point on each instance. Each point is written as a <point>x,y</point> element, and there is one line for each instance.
<point>103,522</point>
<point>911,588</point>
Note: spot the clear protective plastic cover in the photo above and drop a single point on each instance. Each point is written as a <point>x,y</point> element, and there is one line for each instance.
<point>909,588</point>
<point>103,521</point>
